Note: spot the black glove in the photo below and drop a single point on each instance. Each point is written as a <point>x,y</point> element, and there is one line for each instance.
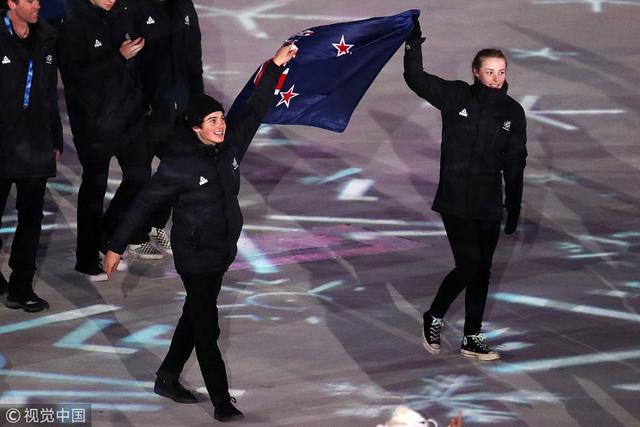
<point>512,222</point>
<point>416,33</point>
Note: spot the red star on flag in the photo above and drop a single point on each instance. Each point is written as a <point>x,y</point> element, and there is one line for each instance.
<point>286,97</point>
<point>343,48</point>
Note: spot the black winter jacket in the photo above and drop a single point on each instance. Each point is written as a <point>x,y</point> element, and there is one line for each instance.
<point>171,61</point>
<point>102,89</point>
<point>201,182</point>
<point>483,141</point>
<point>29,135</point>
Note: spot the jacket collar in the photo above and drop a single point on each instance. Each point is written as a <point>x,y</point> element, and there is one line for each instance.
<point>485,94</point>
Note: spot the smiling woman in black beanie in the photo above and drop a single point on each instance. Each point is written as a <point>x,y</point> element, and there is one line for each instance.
<point>200,178</point>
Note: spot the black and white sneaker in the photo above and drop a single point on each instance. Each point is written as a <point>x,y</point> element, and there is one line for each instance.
<point>31,303</point>
<point>431,327</point>
<point>474,346</point>
<point>161,239</point>
<point>145,251</point>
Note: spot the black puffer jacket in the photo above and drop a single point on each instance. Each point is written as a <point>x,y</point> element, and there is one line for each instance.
<point>201,182</point>
<point>28,136</point>
<point>483,141</point>
<point>102,89</point>
<point>171,61</point>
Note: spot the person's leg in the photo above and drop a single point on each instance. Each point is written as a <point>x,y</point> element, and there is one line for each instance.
<point>95,173</point>
<point>29,203</point>
<point>181,347</point>
<point>202,295</point>
<point>160,217</point>
<point>473,344</point>
<point>476,292</point>
<point>463,240</point>
<point>5,188</point>
<point>132,159</point>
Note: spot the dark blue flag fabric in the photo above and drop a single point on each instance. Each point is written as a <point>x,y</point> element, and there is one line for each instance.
<point>336,65</point>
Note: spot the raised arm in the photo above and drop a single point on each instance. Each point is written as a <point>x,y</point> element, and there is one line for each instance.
<point>261,99</point>
<point>427,86</point>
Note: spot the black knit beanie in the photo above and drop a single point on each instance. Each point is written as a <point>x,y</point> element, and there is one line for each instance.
<point>199,107</point>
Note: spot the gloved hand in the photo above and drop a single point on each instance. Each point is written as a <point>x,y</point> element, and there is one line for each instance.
<point>511,224</point>
<point>416,32</point>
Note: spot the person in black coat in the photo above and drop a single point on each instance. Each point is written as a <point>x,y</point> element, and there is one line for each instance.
<point>200,178</point>
<point>483,143</point>
<point>171,64</point>
<point>103,92</point>
<point>30,137</point>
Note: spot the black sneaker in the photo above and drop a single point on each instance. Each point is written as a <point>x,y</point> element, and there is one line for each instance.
<point>31,303</point>
<point>225,411</point>
<point>474,346</point>
<point>431,327</point>
<point>172,389</point>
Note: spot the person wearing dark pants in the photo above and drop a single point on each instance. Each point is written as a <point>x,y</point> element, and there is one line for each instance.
<point>473,243</point>
<point>103,92</point>
<point>483,143</point>
<point>30,138</point>
<point>200,178</point>
<point>91,214</point>
<point>199,309</point>
<point>171,64</point>
<point>29,201</point>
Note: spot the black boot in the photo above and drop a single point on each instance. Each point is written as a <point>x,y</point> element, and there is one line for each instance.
<point>225,411</point>
<point>171,388</point>
<point>31,303</point>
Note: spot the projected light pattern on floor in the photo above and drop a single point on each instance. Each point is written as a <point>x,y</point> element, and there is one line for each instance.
<point>455,393</point>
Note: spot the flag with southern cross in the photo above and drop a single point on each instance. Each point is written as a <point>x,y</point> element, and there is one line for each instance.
<point>336,65</point>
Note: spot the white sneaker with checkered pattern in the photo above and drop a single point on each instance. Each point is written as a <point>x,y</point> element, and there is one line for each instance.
<point>145,251</point>
<point>161,239</point>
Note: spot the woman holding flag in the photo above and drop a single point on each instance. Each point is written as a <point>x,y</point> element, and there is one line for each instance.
<point>483,142</point>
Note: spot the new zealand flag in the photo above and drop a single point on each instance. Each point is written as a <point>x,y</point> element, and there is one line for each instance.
<point>336,65</point>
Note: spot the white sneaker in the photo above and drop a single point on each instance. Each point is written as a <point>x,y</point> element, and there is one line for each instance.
<point>145,251</point>
<point>99,277</point>
<point>161,239</point>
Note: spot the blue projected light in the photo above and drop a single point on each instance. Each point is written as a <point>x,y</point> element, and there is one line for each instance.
<point>583,309</point>
<point>59,317</point>
<point>76,339</point>
<point>150,337</point>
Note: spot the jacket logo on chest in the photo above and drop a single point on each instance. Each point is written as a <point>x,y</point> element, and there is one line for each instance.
<point>203,180</point>
<point>49,59</point>
<point>506,125</point>
<point>6,60</point>
<point>150,21</point>
<point>235,164</point>
<point>463,113</point>
<point>98,43</point>
<point>186,20</point>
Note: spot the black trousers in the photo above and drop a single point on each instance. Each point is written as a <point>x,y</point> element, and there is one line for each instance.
<point>473,243</point>
<point>95,226</point>
<point>198,327</point>
<point>157,148</point>
<point>29,202</point>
